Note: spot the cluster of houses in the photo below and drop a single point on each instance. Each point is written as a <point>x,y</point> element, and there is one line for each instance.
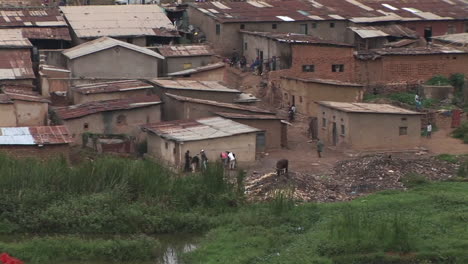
<point>153,78</point>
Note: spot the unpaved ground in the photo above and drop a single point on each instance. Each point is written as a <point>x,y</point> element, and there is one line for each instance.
<point>441,142</point>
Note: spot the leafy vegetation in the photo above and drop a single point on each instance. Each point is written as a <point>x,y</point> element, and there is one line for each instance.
<point>439,80</point>
<point>427,224</point>
<point>461,132</point>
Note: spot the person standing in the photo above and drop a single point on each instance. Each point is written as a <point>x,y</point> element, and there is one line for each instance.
<point>204,160</point>
<point>319,148</point>
<point>429,130</point>
<point>187,161</point>
<point>232,160</point>
<point>195,163</point>
<point>224,158</point>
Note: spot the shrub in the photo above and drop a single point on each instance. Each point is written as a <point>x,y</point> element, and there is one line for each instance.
<point>461,132</point>
<point>411,180</point>
<point>438,80</point>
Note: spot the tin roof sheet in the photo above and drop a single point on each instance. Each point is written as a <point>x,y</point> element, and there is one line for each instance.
<point>322,81</point>
<point>208,67</point>
<point>59,33</point>
<point>367,108</point>
<point>461,38</point>
<point>185,50</point>
<point>31,17</point>
<point>206,86</point>
<point>13,38</point>
<point>200,129</point>
<point>384,31</point>
<point>103,44</point>
<point>252,109</point>
<point>118,21</point>
<point>39,135</point>
<point>434,50</point>
<point>110,87</point>
<point>245,116</point>
<point>16,64</point>
<point>295,38</point>
<point>80,110</point>
<point>358,11</point>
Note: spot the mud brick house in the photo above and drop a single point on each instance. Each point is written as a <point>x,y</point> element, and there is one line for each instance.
<point>43,27</point>
<point>276,131</point>
<point>53,81</point>
<point>168,141</point>
<point>122,116</point>
<point>304,93</point>
<point>15,59</point>
<point>207,90</point>
<point>362,126</point>
<point>22,108</point>
<point>385,70</point>
<point>210,72</point>
<point>113,90</point>
<point>142,25</point>
<point>183,57</point>
<point>110,58</point>
<point>222,21</point>
<point>43,142</point>
<point>300,55</point>
<point>178,107</point>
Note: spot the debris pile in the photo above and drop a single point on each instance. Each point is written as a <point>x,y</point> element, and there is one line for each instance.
<point>349,179</point>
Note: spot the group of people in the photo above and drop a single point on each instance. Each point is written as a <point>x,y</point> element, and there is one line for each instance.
<point>192,164</point>
<point>228,159</point>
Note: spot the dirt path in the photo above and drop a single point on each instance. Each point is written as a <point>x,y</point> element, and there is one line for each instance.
<point>441,142</point>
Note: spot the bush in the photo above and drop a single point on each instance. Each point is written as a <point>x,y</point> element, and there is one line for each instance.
<point>438,80</point>
<point>448,157</point>
<point>411,180</point>
<point>461,132</point>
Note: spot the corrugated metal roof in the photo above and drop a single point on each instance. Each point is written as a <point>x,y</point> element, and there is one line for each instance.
<point>362,11</point>
<point>103,44</point>
<point>59,33</point>
<point>461,39</point>
<point>246,98</point>
<point>384,31</point>
<point>109,87</point>
<point>295,38</point>
<point>244,116</point>
<point>208,67</point>
<point>200,129</point>
<point>31,17</point>
<point>432,50</point>
<point>322,81</point>
<point>185,50</point>
<point>39,135</point>
<point>16,64</point>
<point>367,108</point>
<point>13,38</point>
<point>252,109</point>
<point>118,21</point>
<point>80,110</point>
<point>17,95</point>
<point>206,86</point>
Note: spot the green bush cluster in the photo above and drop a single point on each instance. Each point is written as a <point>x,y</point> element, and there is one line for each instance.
<point>461,132</point>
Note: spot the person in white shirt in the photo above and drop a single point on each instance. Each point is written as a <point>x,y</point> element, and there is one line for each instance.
<point>429,130</point>
<point>232,160</point>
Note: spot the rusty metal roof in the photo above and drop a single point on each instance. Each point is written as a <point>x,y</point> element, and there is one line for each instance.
<point>80,110</point>
<point>19,37</point>
<point>358,11</point>
<point>59,33</point>
<point>208,67</point>
<point>367,108</point>
<point>322,81</point>
<point>295,38</point>
<point>20,96</point>
<point>459,39</point>
<point>110,87</point>
<point>431,50</point>
<point>185,50</point>
<point>31,17</point>
<point>103,44</point>
<point>205,86</point>
<point>16,64</point>
<point>384,31</point>
<point>200,129</point>
<point>38,135</point>
<point>245,116</point>
<point>252,109</point>
<point>13,38</point>
<point>401,43</point>
<point>118,21</point>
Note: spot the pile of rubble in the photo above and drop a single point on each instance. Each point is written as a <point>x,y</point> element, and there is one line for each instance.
<point>349,179</point>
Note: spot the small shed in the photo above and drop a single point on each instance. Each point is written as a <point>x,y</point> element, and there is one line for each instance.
<point>113,90</point>
<point>276,132</point>
<point>108,58</point>
<point>207,90</point>
<point>364,126</point>
<point>110,117</point>
<point>20,107</point>
<point>168,141</point>
<point>184,57</point>
<point>41,142</point>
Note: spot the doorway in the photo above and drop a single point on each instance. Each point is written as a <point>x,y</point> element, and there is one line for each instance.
<point>260,142</point>
<point>428,34</point>
<point>335,134</point>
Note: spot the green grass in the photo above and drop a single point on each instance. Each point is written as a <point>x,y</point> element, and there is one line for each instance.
<point>428,224</point>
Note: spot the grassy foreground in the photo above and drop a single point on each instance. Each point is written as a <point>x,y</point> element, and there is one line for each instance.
<point>428,224</point>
